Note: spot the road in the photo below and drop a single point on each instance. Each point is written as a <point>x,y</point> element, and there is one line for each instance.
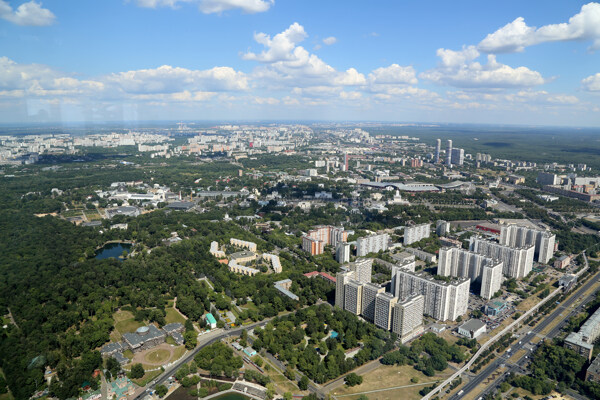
<point>517,366</point>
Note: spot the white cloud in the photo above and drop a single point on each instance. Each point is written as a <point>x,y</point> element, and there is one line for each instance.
<point>213,6</point>
<point>330,40</point>
<point>459,69</point>
<point>168,79</point>
<point>350,95</point>
<point>394,74</point>
<point>266,100</point>
<point>516,35</point>
<point>27,14</point>
<point>592,83</point>
<point>286,63</point>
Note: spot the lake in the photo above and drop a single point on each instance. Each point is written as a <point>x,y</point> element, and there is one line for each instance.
<point>113,250</point>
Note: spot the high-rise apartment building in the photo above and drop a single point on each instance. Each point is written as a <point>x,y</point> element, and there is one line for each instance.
<point>371,244</point>
<point>353,297</point>
<point>442,227</point>
<point>484,271</point>
<point>517,236</point>
<point>384,304</point>
<point>342,253</point>
<point>443,300</point>
<point>342,279</point>
<point>449,154</point>
<point>415,233</point>
<point>517,261</point>
<point>458,156</point>
<point>408,315</point>
<point>369,293</point>
<point>315,240</point>
<point>407,265</point>
<point>362,269</point>
<point>438,148</point>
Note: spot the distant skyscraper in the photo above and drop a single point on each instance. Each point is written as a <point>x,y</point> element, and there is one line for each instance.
<point>346,162</point>
<point>438,148</point>
<point>458,156</point>
<point>449,154</point>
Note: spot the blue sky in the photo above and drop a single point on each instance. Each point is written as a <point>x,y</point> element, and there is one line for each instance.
<point>534,62</point>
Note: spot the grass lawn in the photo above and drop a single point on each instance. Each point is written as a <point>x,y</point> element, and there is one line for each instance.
<point>147,378</point>
<point>128,325</point>
<point>388,376</point>
<point>122,315</point>
<point>157,356</point>
<point>128,353</point>
<point>174,316</point>
<point>249,306</point>
<point>279,380</point>
<point>178,352</point>
<point>171,341</point>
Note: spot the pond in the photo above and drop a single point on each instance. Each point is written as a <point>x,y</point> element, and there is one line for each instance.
<point>231,396</point>
<point>113,250</point>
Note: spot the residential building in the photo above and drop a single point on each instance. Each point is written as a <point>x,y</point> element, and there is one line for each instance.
<point>421,255</point>
<point>274,260</point>
<point>583,341</point>
<point>442,228</point>
<point>353,297</point>
<point>316,239</point>
<point>362,268</point>
<point>342,279</point>
<point>517,236</point>
<point>342,253</point>
<point>243,243</point>
<point>562,262</point>
<point>438,148</point>
<point>449,154</point>
<point>215,251</point>
<point>369,294</point>
<point>415,233</point>
<point>384,304</point>
<point>458,156</point>
<point>443,300</point>
<point>545,178</point>
<point>517,261</point>
<point>408,316</point>
<point>284,288</point>
<point>483,271</point>
<point>371,244</point>
<point>472,329</point>
<point>593,372</point>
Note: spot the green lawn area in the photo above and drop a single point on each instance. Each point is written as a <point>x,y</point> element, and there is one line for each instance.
<point>128,353</point>
<point>180,351</point>
<point>174,316</point>
<point>71,213</point>
<point>128,325</point>
<point>249,306</point>
<point>171,341</point>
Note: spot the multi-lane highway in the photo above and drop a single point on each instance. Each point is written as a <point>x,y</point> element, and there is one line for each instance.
<point>560,314</point>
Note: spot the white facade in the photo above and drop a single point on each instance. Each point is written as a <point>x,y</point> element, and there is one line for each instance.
<point>415,233</point>
<point>408,315</point>
<point>362,269</point>
<point>342,253</point>
<point>518,261</point>
<point>369,293</point>
<point>384,304</point>
<point>243,243</point>
<point>341,280</point>
<point>371,244</point>
<point>517,236</point>
<point>443,301</point>
<point>353,297</point>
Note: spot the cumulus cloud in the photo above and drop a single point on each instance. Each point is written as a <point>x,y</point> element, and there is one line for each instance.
<point>27,14</point>
<point>394,74</point>
<point>286,62</point>
<point>168,79</point>
<point>591,83</point>
<point>213,6</point>
<point>330,40</point>
<point>516,35</point>
<point>459,69</point>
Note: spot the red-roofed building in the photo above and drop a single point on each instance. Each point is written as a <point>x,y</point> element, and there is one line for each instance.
<point>323,275</point>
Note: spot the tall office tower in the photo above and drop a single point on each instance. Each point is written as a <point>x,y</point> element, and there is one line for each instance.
<point>518,261</point>
<point>415,233</point>
<point>405,265</point>
<point>353,297</point>
<point>438,148</point>
<point>362,269</point>
<point>482,270</point>
<point>517,236</point>
<point>371,244</point>
<point>370,292</point>
<point>342,253</point>
<point>458,156</point>
<point>449,154</point>
<point>384,304</point>
<point>408,315</point>
<point>442,227</point>
<point>443,300</point>
<point>342,279</point>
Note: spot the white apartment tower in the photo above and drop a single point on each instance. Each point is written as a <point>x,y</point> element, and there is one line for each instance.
<point>449,154</point>
<point>415,233</point>
<point>342,253</point>
<point>362,269</point>
<point>408,315</point>
<point>438,148</point>
<point>518,261</point>
<point>353,297</point>
<point>342,279</point>
<point>443,301</point>
<point>369,293</point>
<point>371,244</point>
<point>384,304</point>
<point>517,236</point>
<point>460,263</point>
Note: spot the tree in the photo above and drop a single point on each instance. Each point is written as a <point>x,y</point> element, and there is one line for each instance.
<point>137,371</point>
<point>113,366</point>
<point>288,396</point>
<point>353,379</point>
<point>190,339</point>
<point>303,383</point>
<point>161,390</point>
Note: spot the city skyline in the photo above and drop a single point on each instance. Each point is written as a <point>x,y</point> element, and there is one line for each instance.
<point>257,59</point>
